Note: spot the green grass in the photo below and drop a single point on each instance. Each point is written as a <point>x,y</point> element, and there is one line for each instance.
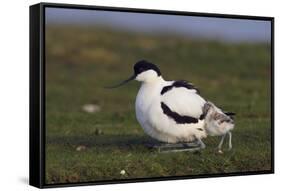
<point>81,61</point>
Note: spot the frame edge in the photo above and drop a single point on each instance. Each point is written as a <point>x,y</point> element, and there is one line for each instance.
<point>35,132</point>
<point>36,128</point>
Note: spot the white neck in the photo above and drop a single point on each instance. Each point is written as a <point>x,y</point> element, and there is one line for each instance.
<point>149,77</point>
<point>153,80</point>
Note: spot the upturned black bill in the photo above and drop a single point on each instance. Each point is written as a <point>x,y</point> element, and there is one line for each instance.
<point>123,82</point>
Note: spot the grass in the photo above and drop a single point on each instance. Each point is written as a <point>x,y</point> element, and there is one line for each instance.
<point>81,61</point>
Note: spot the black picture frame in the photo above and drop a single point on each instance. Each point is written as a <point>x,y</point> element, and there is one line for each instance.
<point>38,99</point>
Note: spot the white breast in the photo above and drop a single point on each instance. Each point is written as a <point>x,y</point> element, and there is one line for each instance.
<point>147,96</point>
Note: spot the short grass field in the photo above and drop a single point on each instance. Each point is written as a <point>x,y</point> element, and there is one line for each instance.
<point>92,146</point>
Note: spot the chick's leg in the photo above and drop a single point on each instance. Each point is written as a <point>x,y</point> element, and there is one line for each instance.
<point>221,142</point>
<point>230,141</point>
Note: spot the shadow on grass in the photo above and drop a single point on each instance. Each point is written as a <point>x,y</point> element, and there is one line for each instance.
<point>102,140</point>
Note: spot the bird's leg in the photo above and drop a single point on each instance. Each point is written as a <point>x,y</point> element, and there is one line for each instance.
<point>220,144</point>
<point>200,142</point>
<point>230,143</point>
<point>176,147</point>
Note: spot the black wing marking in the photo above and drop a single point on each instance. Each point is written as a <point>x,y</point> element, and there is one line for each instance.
<point>230,114</point>
<point>177,117</point>
<point>178,84</point>
<point>166,89</point>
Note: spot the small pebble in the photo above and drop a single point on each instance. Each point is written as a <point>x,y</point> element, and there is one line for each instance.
<point>122,172</point>
<point>220,152</point>
<point>81,148</point>
<point>91,108</point>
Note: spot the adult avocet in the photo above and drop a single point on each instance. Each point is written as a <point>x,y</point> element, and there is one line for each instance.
<point>174,111</point>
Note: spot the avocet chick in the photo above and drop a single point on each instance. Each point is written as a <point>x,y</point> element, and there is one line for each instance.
<point>218,123</point>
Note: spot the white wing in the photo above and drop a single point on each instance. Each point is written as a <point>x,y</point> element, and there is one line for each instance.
<point>184,101</point>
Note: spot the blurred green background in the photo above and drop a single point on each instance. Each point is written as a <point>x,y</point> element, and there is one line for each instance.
<point>92,133</point>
